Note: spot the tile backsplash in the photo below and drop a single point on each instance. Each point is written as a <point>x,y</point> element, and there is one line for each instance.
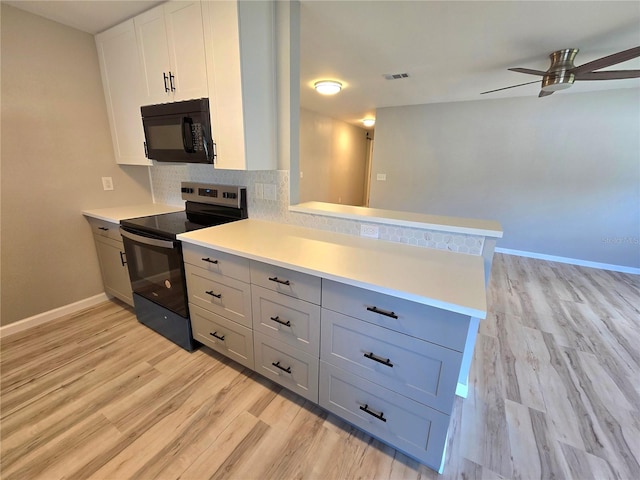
<point>165,182</point>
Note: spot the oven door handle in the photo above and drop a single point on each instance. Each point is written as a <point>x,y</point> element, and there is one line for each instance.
<point>154,242</point>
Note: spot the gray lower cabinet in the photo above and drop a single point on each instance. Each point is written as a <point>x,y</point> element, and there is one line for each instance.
<point>113,261</point>
<point>384,364</point>
<point>220,302</point>
<point>403,423</point>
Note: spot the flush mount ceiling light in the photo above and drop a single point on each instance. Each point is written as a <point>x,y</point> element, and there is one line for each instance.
<point>369,122</point>
<point>327,87</point>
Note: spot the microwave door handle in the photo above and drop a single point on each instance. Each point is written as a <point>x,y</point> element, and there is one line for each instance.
<point>154,242</point>
<point>187,135</point>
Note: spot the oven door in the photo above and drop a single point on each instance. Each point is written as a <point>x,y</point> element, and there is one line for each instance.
<point>156,270</point>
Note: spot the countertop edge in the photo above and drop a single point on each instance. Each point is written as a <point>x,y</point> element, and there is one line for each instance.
<point>472,312</point>
<point>384,217</point>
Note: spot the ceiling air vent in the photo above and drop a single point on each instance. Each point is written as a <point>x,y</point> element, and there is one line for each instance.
<point>395,76</point>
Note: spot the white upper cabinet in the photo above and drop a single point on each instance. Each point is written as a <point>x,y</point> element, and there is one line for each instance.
<point>172,56</point>
<point>121,80</point>
<point>240,62</point>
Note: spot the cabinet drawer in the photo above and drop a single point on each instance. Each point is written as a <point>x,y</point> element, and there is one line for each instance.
<point>288,319</point>
<point>225,296</point>
<point>216,262</point>
<point>222,335</point>
<point>101,228</point>
<point>406,425</point>
<point>282,280</point>
<point>438,326</point>
<point>295,370</point>
<point>423,371</point>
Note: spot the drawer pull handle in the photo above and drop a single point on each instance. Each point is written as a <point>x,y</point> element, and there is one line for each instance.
<point>122,258</point>
<point>277,280</point>
<point>379,416</point>
<point>104,229</point>
<point>215,262</point>
<point>277,365</point>
<point>382,312</point>
<point>215,334</point>
<point>277,320</point>
<point>375,358</point>
<point>210,292</point>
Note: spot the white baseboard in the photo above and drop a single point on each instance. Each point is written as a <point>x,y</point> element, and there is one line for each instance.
<point>45,317</point>
<point>571,261</point>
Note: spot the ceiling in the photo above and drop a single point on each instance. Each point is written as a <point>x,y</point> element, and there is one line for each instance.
<point>451,50</point>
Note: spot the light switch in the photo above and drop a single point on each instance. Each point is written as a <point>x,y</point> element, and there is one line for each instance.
<point>107,183</point>
<point>381,176</point>
<point>269,191</point>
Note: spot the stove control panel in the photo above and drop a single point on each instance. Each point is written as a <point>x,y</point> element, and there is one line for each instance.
<point>227,195</point>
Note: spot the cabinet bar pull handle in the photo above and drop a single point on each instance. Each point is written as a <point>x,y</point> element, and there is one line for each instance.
<point>277,320</point>
<point>171,77</point>
<point>277,280</point>
<point>210,261</point>
<point>166,87</point>
<point>277,365</point>
<point>146,152</point>
<point>382,312</point>
<point>210,292</point>
<point>379,416</point>
<point>375,358</point>
<point>215,334</point>
<point>104,229</point>
<point>122,259</point>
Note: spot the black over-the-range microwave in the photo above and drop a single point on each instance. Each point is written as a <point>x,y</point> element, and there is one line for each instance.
<point>178,132</point>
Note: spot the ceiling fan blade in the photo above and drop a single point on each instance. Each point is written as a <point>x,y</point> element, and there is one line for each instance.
<point>528,70</point>
<point>512,86</point>
<point>609,75</point>
<point>607,61</point>
<point>544,94</point>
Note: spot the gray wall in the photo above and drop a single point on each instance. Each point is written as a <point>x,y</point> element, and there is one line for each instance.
<point>333,157</point>
<point>56,146</point>
<point>562,173</point>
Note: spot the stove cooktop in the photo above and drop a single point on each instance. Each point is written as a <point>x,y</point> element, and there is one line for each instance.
<point>166,224</point>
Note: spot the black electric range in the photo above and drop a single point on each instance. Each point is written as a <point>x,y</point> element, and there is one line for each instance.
<point>154,255</point>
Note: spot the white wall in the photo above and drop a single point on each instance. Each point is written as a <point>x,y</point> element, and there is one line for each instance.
<point>333,158</point>
<point>561,173</point>
<point>56,146</point>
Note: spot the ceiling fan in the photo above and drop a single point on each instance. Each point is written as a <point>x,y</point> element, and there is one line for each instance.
<point>562,72</point>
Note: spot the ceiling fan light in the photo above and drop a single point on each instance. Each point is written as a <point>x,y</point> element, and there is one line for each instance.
<point>327,87</point>
<point>557,81</point>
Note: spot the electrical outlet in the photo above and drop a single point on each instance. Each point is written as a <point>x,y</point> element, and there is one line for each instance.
<point>381,176</point>
<point>301,174</point>
<point>270,191</point>
<point>371,231</point>
<point>107,183</point>
<point>259,191</point>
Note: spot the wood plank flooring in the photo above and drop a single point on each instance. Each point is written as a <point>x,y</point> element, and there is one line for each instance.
<point>553,393</point>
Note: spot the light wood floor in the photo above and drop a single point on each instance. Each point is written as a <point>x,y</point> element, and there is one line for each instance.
<point>553,394</point>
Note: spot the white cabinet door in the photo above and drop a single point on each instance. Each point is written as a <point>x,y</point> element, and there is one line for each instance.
<point>121,80</point>
<point>154,56</point>
<point>171,50</point>
<point>240,55</point>
<point>185,37</point>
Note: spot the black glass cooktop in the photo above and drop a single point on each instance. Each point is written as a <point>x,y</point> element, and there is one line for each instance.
<point>165,225</point>
<point>168,225</point>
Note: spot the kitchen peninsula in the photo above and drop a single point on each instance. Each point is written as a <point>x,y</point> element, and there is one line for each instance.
<point>379,333</point>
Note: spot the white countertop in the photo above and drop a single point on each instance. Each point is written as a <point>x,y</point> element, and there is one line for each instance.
<point>453,281</point>
<point>469,226</point>
<point>115,214</point>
